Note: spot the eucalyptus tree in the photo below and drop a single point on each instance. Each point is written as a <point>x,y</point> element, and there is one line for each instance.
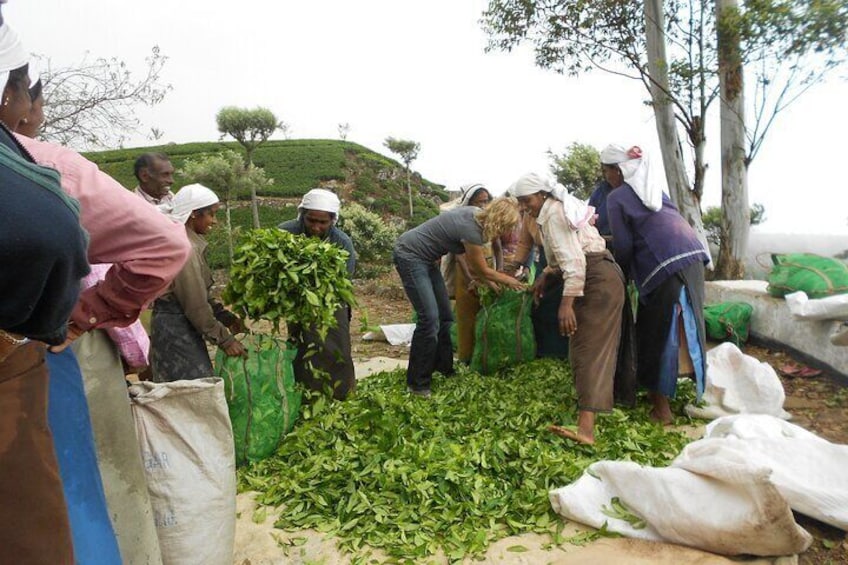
<point>671,47</point>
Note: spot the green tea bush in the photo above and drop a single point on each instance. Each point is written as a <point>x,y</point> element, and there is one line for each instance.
<point>372,238</point>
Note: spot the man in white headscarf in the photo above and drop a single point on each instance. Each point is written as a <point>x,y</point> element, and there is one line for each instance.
<point>317,216</point>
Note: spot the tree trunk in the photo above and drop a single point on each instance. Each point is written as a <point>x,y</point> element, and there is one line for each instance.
<point>254,199</point>
<point>409,191</point>
<point>736,214</point>
<point>672,153</point>
<point>229,229</point>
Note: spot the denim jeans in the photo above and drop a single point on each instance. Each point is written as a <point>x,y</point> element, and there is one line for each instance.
<point>431,342</point>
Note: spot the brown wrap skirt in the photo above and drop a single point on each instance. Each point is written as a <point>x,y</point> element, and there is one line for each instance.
<point>593,349</point>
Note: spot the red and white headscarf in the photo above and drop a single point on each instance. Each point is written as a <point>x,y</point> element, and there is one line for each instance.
<point>635,167</point>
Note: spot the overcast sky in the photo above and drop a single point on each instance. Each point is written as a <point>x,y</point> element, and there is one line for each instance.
<point>417,70</point>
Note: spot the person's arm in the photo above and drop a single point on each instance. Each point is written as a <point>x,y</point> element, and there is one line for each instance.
<point>562,243</point>
<point>621,234</point>
<point>482,271</point>
<point>190,291</point>
<point>147,249</point>
<point>497,252</point>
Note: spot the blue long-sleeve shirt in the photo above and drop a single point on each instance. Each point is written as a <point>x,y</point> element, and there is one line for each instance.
<point>598,199</point>
<point>650,246</point>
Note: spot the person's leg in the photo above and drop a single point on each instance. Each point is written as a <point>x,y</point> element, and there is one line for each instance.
<point>34,525</point>
<point>444,347</point>
<point>419,289</point>
<point>118,453</point>
<point>467,305</point>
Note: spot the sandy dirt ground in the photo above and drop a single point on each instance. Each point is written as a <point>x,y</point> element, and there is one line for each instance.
<point>818,403</point>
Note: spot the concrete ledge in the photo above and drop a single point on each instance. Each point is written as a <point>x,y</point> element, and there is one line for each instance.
<point>773,324</point>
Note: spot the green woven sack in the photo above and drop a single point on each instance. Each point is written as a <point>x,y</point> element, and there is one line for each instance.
<point>816,275</point>
<point>728,321</point>
<point>504,332</point>
<point>261,395</point>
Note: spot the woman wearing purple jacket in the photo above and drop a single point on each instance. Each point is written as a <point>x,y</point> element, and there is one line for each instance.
<point>662,254</point>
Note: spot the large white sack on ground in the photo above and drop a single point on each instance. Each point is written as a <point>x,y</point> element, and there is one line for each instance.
<point>808,471</point>
<point>186,441</point>
<point>727,509</point>
<point>829,308</point>
<point>739,384</point>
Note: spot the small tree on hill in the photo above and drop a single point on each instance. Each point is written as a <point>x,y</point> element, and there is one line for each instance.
<point>227,174</point>
<point>251,128</point>
<point>578,169</point>
<point>408,151</point>
<point>91,104</point>
<point>344,129</point>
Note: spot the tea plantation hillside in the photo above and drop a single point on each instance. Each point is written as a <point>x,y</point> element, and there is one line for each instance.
<point>355,172</point>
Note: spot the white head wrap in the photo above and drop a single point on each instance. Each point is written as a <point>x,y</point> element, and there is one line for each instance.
<point>190,198</point>
<point>575,211</point>
<point>321,200</point>
<point>12,53</point>
<point>635,167</point>
<point>468,192</point>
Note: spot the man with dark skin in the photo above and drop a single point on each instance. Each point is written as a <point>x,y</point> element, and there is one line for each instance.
<point>155,175</point>
<point>329,363</point>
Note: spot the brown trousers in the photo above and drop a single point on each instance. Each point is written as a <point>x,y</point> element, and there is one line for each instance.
<point>593,349</point>
<point>467,307</point>
<point>34,527</point>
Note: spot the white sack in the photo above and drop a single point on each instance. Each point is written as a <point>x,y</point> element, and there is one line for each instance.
<point>398,334</point>
<point>809,472</point>
<point>739,384</point>
<point>726,508</point>
<point>186,441</point>
<point>829,308</point>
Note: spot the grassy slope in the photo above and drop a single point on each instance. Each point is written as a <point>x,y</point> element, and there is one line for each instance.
<point>357,173</point>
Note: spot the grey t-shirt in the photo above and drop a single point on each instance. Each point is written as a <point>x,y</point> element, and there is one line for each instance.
<point>443,234</point>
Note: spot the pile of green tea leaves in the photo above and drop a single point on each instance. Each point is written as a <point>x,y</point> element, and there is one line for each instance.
<point>454,473</point>
<point>279,276</point>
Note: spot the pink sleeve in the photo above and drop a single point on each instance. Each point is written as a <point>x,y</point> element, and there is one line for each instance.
<point>132,341</point>
<point>146,248</point>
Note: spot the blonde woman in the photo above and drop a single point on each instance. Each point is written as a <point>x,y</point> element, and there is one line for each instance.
<point>463,230</point>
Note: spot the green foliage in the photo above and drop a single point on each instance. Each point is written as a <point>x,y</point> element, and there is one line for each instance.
<point>269,217</point>
<point>474,465</point>
<point>225,173</point>
<point>373,239</point>
<point>712,221</point>
<point>277,276</point>
<point>578,169</point>
<point>407,149</point>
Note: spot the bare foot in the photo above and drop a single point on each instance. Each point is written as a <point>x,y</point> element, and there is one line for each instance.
<point>664,418</point>
<point>661,412</point>
<point>572,435</point>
